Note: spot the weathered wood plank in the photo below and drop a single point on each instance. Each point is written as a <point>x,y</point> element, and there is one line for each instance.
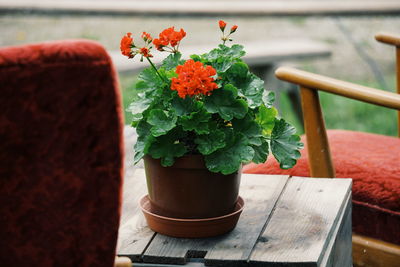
<point>134,235</point>
<point>260,193</point>
<point>261,196</point>
<point>339,250</point>
<point>303,222</point>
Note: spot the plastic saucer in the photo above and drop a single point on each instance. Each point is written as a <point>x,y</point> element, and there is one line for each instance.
<point>191,228</point>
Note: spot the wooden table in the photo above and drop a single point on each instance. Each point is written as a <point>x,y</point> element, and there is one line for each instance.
<point>287,221</point>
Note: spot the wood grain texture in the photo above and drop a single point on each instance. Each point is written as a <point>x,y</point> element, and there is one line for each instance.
<point>339,250</point>
<point>134,235</point>
<point>303,222</point>
<point>370,252</point>
<point>320,159</point>
<point>260,193</point>
<point>330,85</point>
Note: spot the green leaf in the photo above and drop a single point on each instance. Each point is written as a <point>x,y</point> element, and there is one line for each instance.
<point>268,98</point>
<point>168,147</point>
<point>261,152</point>
<point>238,72</point>
<point>229,159</point>
<point>223,101</point>
<point>250,128</point>
<point>208,143</point>
<point>161,123</point>
<point>266,119</point>
<point>249,85</point>
<point>168,74</point>
<point>138,107</point>
<point>185,106</point>
<point>144,140</point>
<point>195,57</point>
<point>196,121</point>
<point>148,80</point>
<point>172,61</point>
<point>235,51</point>
<point>223,57</point>
<point>285,144</point>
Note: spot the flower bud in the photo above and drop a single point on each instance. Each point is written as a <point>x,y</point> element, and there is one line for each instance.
<point>222,25</point>
<point>146,37</point>
<point>234,28</point>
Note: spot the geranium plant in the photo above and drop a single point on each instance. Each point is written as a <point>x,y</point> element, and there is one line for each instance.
<point>210,104</point>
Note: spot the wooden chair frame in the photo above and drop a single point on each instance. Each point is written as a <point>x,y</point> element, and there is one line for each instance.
<point>366,251</point>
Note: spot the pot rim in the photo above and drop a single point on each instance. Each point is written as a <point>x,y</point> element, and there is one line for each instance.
<point>239,202</point>
<point>184,162</point>
<point>189,161</point>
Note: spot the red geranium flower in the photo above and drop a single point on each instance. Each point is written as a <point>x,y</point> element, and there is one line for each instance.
<point>194,79</point>
<point>126,45</point>
<point>145,52</point>
<point>169,37</point>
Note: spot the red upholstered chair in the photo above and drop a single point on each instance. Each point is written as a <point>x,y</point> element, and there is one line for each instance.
<point>373,161</point>
<point>61,155</point>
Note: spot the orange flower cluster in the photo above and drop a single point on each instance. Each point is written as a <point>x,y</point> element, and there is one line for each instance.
<point>126,45</point>
<point>169,37</point>
<point>194,79</point>
<point>145,52</point>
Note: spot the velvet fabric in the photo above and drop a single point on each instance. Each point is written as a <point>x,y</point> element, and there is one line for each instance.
<point>61,155</point>
<point>373,162</point>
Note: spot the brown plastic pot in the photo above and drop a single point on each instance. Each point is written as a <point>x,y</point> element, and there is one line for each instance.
<point>189,190</point>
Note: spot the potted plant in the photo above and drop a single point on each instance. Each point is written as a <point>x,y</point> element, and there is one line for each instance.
<point>198,120</point>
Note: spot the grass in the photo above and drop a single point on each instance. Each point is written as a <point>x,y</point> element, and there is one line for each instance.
<point>339,112</point>
<point>128,93</point>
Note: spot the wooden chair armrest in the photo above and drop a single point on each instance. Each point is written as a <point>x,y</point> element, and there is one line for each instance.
<point>122,262</point>
<point>350,90</point>
<point>388,38</point>
<point>373,252</point>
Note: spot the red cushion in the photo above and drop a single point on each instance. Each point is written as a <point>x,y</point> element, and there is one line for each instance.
<point>60,155</point>
<point>373,161</point>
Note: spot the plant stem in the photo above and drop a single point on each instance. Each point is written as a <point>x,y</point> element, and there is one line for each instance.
<point>154,67</point>
<point>223,40</point>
